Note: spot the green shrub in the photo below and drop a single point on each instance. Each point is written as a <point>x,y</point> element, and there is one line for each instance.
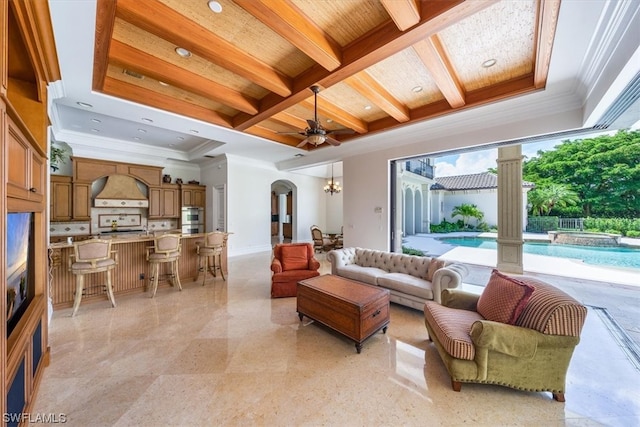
<point>613,232</point>
<point>411,251</point>
<point>622,225</point>
<point>633,233</point>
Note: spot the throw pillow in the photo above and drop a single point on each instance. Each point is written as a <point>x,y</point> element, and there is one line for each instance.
<point>434,265</point>
<point>504,298</point>
<point>294,258</point>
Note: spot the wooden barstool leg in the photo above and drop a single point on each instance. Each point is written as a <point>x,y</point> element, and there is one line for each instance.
<point>110,289</point>
<point>205,269</point>
<point>176,277</point>
<point>156,273</point>
<point>78,297</point>
<point>220,267</point>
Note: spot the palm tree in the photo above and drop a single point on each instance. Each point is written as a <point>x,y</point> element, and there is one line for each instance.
<point>466,211</point>
<point>544,199</point>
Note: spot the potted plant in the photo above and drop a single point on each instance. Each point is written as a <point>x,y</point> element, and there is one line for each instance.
<point>56,156</point>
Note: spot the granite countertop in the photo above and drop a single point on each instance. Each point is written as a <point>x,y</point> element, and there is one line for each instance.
<point>125,238</point>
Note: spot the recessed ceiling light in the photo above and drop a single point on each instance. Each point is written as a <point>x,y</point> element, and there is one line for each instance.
<point>142,131</point>
<point>489,63</point>
<point>193,131</point>
<point>144,119</point>
<point>329,121</point>
<point>416,89</point>
<point>181,138</point>
<point>84,104</point>
<point>96,120</point>
<point>163,83</point>
<point>137,138</point>
<point>215,6</point>
<point>172,145</point>
<point>95,130</point>
<point>183,52</point>
<point>367,107</point>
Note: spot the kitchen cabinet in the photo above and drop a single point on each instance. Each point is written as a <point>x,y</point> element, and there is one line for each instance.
<point>81,201</point>
<point>60,202</point>
<point>194,195</point>
<point>25,171</point>
<point>164,202</point>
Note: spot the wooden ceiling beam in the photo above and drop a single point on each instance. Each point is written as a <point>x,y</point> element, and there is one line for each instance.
<point>293,25</point>
<point>290,120</point>
<point>545,33</point>
<point>338,115</point>
<point>368,50</point>
<point>135,93</point>
<point>141,62</point>
<point>369,87</point>
<point>435,58</point>
<point>271,135</point>
<point>164,22</point>
<point>405,13</point>
<point>105,20</point>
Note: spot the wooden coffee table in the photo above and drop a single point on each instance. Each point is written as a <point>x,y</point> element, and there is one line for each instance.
<point>354,309</point>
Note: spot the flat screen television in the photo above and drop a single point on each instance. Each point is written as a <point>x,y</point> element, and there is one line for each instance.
<point>20,266</point>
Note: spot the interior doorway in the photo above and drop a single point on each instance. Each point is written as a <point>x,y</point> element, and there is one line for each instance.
<point>283,218</point>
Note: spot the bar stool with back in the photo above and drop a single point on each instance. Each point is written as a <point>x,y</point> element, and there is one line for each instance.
<point>92,256</point>
<point>212,247</point>
<point>167,248</point>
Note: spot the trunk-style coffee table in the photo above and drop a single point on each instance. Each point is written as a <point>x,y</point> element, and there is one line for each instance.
<point>351,308</point>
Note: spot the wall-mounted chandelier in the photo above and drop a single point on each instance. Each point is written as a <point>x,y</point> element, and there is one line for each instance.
<point>332,186</point>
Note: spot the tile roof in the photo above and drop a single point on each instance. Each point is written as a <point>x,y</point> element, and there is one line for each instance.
<point>474,181</point>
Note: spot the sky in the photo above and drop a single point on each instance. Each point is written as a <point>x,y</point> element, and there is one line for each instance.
<point>481,160</point>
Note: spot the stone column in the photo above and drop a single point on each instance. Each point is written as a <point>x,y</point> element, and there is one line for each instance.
<point>510,209</point>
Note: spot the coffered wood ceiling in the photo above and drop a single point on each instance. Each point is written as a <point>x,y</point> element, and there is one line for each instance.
<point>251,65</point>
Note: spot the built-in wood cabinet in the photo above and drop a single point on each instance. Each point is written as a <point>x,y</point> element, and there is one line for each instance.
<point>25,171</point>
<point>194,195</point>
<point>60,202</point>
<point>164,202</point>
<point>81,201</point>
<point>27,64</point>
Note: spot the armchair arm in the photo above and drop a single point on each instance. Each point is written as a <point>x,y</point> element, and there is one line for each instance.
<point>115,256</point>
<point>314,264</point>
<point>503,338</point>
<point>456,298</point>
<point>276,265</point>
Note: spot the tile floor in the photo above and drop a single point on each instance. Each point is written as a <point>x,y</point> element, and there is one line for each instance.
<point>227,354</point>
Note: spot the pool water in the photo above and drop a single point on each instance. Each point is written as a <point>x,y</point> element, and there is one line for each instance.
<point>617,256</point>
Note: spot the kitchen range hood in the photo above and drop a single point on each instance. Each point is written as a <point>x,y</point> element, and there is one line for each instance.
<point>121,191</point>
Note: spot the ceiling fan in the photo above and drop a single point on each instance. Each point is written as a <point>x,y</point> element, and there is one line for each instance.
<point>315,134</point>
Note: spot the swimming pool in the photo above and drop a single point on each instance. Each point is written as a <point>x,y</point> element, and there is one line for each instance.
<point>616,256</point>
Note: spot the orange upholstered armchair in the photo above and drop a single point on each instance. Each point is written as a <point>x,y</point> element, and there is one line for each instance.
<point>291,263</point>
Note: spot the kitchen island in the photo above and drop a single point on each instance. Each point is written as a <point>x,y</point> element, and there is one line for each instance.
<point>131,275</point>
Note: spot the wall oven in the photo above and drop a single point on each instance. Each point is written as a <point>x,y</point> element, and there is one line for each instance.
<point>192,229</point>
<point>192,215</point>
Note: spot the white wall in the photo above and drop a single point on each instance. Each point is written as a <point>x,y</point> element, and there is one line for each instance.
<point>248,185</point>
<point>485,200</point>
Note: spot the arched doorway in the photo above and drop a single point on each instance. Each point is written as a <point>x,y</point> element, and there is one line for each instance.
<point>283,211</point>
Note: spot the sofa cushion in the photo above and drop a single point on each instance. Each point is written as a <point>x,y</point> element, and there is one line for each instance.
<point>504,298</point>
<point>406,284</point>
<point>434,265</point>
<point>452,328</point>
<point>295,258</point>
<point>362,274</point>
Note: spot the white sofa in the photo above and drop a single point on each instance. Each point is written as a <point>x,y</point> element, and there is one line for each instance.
<point>405,276</point>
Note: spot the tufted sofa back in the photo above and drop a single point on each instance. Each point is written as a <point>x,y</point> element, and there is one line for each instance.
<point>392,262</point>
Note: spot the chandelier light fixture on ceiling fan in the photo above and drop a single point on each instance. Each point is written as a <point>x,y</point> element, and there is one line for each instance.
<point>332,186</point>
